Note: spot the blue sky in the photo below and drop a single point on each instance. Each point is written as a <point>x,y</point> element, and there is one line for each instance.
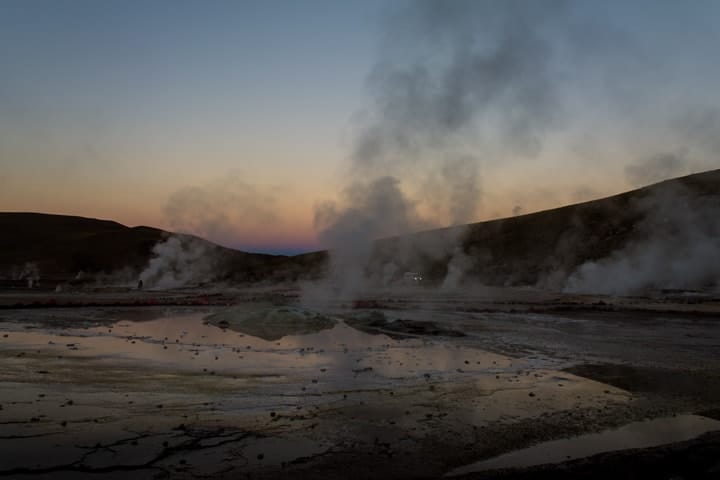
<point>109,108</point>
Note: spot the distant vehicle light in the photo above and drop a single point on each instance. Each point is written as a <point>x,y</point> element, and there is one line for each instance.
<point>413,277</point>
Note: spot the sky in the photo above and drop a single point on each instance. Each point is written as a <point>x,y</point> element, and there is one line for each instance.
<point>240,120</point>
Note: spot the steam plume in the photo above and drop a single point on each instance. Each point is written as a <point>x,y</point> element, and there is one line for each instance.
<point>656,168</point>
<point>222,210</point>
<point>678,246</point>
<point>179,261</point>
<point>455,79</point>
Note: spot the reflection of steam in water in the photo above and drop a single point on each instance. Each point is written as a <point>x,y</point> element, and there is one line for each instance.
<point>301,394</point>
<point>341,355</point>
<point>304,368</point>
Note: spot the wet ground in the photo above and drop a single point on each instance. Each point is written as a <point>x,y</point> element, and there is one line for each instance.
<point>409,385</point>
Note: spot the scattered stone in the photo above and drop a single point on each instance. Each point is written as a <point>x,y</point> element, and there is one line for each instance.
<point>362,370</point>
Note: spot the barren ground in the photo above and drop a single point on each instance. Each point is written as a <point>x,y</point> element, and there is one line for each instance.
<point>403,384</point>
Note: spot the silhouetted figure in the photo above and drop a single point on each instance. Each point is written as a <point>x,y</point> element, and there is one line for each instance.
<point>140,284</point>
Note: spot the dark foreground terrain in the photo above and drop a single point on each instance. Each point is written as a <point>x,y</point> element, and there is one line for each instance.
<point>254,383</point>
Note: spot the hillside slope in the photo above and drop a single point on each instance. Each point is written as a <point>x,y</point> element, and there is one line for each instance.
<point>676,221</point>
<point>546,247</point>
<point>58,247</point>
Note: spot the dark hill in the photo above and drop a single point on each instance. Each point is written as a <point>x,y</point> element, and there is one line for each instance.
<point>525,250</point>
<point>60,246</point>
<point>533,248</point>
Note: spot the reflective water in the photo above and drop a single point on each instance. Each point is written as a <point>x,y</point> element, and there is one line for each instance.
<point>121,376</point>
<point>186,343</point>
<point>645,434</point>
<point>67,388</point>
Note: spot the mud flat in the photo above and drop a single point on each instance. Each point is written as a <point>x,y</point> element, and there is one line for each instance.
<point>400,385</point>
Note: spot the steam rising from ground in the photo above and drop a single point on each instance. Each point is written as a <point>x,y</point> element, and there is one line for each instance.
<point>462,88</point>
<point>29,272</point>
<point>455,79</point>
<point>369,210</point>
<point>678,246</point>
<point>465,84</point>
<point>225,209</point>
<point>179,261</point>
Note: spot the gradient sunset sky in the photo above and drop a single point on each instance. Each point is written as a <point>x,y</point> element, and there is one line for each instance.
<point>161,113</point>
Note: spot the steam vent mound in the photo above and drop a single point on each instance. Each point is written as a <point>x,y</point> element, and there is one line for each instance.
<point>271,323</point>
<point>377,323</point>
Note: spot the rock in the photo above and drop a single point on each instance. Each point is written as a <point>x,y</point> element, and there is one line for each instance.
<point>271,323</point>
<point>376,323</point>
